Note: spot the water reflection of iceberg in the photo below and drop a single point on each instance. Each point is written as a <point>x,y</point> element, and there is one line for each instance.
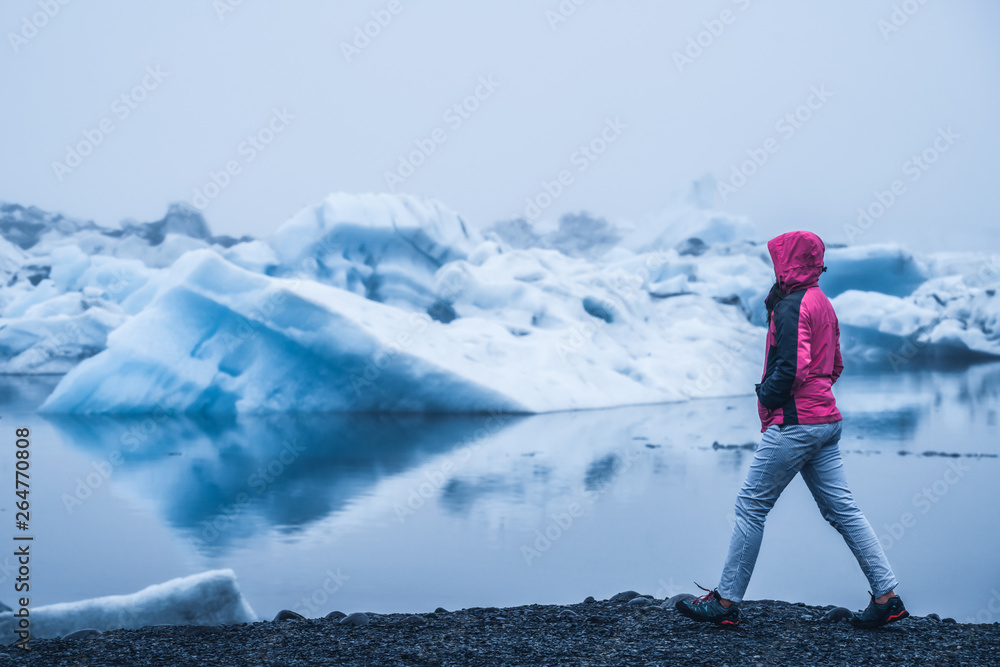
<point>893,406</point>
<point>223,482</point>
<point>218,480</point>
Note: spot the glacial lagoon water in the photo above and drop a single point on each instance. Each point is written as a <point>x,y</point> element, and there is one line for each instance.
<point>390,513</point>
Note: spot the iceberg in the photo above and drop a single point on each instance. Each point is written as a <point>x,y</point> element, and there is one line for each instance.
<point>230,340</point>
<point>208,598</point>
<point>690,225</point>
<point>379,302</point>
<point>67,283</point>
<point>12,258</point>
<point>896,308</point>
<point>49,341</point>
<point>884,313</point>
<point>386,248</point>
<point>944,320</point>
<point>883,268</point>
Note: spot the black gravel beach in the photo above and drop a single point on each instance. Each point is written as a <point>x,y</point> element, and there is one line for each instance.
<point>625,630</point>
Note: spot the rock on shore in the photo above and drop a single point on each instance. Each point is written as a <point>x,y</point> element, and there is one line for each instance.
<point>596,633</point>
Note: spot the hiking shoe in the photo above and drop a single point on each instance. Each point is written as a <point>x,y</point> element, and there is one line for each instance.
<point>709,608</point>
<point>877,615</point>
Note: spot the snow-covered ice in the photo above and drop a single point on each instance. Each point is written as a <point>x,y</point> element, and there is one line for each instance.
<point>943,318</point>
<point>208,598</point>
<point>241,341</point>
<point>883,268</point>
<point>384,247</point>
<point>394,303</point>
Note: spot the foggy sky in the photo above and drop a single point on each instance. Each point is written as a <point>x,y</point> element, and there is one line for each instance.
<point>836,105</point>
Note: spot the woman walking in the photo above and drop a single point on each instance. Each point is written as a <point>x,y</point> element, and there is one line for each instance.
<point>801,431</point>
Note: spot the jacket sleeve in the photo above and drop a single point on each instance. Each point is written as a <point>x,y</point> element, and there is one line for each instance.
<point>776,389</point>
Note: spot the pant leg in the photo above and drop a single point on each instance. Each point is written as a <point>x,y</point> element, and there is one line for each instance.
<point>779,457</point>
<point>824,475</point>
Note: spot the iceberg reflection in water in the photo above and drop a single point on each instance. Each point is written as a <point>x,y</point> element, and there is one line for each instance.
<point>409,512</point>
<point>220,479</point>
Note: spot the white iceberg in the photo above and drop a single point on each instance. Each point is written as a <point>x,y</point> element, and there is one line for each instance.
<point>944,318</point>
<point>882,312</point>
<point>885,268</point>
<point>11,259</point>
<point>689,224</point>
<point>384,247</point>
<point>64,281</point>
<point>391,302</point>
<point>208,598</point>
<point>228,339</point>
<point>50,341</point>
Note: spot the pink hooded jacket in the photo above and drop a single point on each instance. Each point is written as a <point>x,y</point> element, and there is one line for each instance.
<point>802,359</point>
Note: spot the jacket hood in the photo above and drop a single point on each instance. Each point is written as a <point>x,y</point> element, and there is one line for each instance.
<point>798,260</point>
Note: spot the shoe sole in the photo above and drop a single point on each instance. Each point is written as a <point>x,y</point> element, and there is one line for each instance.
<point>721,622</point>
<point>898,617</point>
<point>891,619</point>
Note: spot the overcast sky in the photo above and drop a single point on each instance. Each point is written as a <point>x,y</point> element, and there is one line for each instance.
<point>183,85</point>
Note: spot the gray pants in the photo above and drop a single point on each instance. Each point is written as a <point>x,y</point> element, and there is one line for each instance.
<point>814,451</point>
